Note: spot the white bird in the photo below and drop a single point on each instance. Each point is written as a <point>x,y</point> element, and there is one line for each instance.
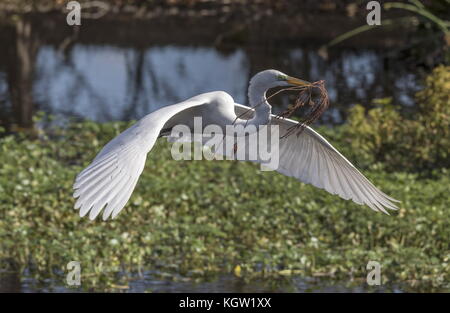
<point>107,183</point>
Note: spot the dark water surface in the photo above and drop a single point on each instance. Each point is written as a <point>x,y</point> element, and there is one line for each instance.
<point>102,83</point>
<point>120,71</point>
<point>149,282</point>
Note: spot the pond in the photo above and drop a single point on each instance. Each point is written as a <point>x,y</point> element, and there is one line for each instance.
<point>93,74</point>
<point>151,282</point>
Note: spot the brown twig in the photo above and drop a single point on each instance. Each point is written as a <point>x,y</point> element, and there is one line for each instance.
<point>318,105</point>
<point>262,101</point>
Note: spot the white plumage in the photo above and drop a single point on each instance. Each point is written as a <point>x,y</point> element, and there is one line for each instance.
<point>111,177</point>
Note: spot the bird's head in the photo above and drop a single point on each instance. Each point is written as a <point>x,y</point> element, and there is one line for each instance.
<point>272,78</point>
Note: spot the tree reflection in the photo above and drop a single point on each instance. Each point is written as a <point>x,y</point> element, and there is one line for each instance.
<point>118,70</point>
<point>21,59</point>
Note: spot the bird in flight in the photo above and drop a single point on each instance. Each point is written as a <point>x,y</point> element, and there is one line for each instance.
<point>109,180</point>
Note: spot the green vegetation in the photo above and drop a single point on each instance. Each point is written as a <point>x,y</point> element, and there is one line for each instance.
<point>202,218</point>
<point>417,143</point>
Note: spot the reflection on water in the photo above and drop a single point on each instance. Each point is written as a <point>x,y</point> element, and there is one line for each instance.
<point>107,83</point>
<point>104,83</point>
<point>225,283</point>
<point>102,77</point>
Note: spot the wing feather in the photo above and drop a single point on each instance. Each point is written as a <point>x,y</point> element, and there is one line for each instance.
<point>312,159</point>
<point>110,179</point>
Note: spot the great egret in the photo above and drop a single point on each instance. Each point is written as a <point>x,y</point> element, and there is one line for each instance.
<point>111,177</point>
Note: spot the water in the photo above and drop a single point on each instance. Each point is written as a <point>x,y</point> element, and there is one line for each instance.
<point>151,282</point>
<point>96,75</point>
<point>102,83</point>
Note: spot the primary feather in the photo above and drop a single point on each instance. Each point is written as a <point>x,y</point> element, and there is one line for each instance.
<point>111,177</point>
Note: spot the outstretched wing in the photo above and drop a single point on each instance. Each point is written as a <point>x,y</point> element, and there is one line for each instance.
<point>111,177</point>
<point>310,158</point>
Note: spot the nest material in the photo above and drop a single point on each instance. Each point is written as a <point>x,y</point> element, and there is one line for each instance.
<point>317,103</point>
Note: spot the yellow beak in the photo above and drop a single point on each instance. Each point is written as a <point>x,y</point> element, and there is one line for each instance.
<point>297,82</point>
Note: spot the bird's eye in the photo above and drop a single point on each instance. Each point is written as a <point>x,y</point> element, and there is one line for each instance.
<point>281,77</point>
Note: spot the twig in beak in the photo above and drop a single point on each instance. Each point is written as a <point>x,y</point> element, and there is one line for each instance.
<point>318,106</point>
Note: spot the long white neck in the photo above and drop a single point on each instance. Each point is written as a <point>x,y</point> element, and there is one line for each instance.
<point>258,101</point>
